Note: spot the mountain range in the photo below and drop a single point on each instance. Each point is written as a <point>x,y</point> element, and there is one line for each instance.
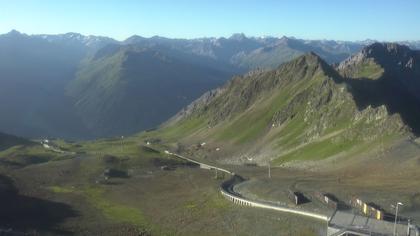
<point>81,87</point>
<point>307,109</point>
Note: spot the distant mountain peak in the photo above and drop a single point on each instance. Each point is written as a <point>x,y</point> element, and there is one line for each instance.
<point>73,34</point>
<point>389,56</point>
<point>284,39</point>
<point>134,39</point>
<point>311,58</point>
<point>379,49</point>
<point>238,36</point>
<point>13,31</point>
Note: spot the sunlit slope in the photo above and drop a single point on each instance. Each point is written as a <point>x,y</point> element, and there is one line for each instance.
<point>303,110</point>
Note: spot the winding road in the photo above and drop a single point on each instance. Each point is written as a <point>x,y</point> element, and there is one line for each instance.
<point>227,190</point>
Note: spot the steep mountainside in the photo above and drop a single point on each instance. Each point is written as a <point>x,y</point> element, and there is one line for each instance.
<point>124,89</point>
<point>33,75</point>
<point>303,110</point>
<point>7,141</point>
<point>387,74</point>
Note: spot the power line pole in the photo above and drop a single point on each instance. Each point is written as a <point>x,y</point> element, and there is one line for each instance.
<point>122,144</point>
<point>396,217</point>
<point>269,170</point>
<point>408,226</point>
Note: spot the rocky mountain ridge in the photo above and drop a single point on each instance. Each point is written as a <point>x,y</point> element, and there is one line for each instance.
<point>302,110</point>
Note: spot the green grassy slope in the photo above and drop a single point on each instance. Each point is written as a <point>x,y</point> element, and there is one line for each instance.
<point>33,75</point>
<point>303,110</point>
<point>134,88</point>
<point>367,68</point>
<point>18,152</point>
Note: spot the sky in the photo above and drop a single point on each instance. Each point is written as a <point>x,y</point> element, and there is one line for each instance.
<point>385,20</point>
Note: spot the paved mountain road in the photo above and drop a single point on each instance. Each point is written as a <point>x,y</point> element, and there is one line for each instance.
<point>227,191</point>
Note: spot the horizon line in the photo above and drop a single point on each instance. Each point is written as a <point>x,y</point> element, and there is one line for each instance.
<point>209,37</point>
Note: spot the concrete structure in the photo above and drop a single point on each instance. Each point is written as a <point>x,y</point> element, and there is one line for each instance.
<point>240,200</point>
<point>50,146</point>
<point>202,165</point>
<point>327,199</point>
<point>347,223</point>
<point>296,197</point>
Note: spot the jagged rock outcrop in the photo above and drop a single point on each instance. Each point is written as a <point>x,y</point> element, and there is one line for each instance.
<point>386,74</point>
<point>372,61</point>
<point>304,109</point>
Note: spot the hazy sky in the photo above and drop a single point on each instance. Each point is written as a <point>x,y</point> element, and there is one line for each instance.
<point>310,19</point>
